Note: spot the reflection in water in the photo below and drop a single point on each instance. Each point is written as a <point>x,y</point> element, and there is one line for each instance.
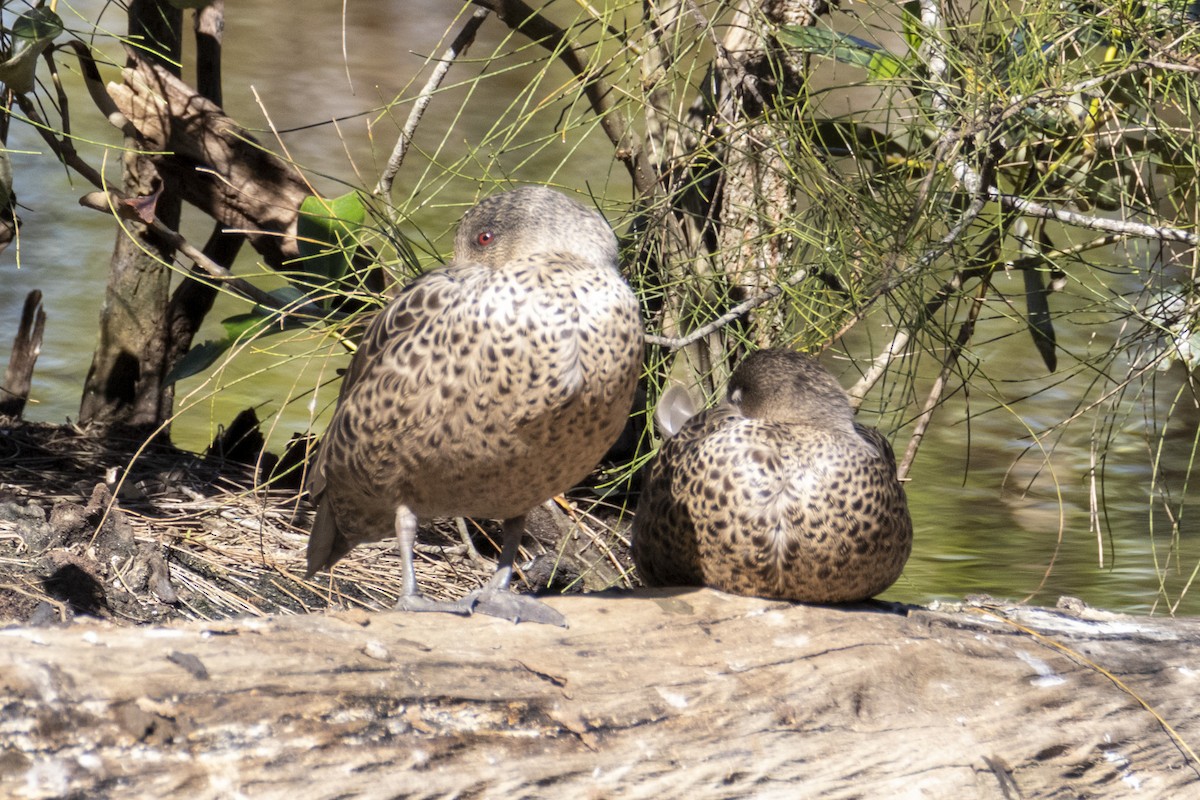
<point>996,514</point>
<point>988,519</point>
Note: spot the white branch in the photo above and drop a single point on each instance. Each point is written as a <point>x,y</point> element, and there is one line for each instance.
<point>1124,227</point>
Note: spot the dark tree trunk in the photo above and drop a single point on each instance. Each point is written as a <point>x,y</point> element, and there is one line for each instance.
<point>125,382</point>
<point>18,376</point>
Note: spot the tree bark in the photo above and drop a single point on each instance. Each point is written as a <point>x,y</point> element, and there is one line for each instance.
<point>27,346</point>
<point>212,162</point>
<point>207,159</point>
<point>655,694</point>
<point>723,172</point>
<point>124,384</point>
<point>194,297</point>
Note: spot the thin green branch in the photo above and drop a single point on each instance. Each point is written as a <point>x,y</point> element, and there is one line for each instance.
<point>464,39</point>
<point>519,16</point>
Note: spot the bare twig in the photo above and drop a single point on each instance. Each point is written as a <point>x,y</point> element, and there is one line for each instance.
<point>458,47</point>
<point>899,342</point>
<point>519,16</point>
<point>63,149</point>
<point>939,385</point>
<point>676,343</point>
<point>1123,227</point>
<point>933,52</point>
<point>114,202</point>
<point>1171,66</point>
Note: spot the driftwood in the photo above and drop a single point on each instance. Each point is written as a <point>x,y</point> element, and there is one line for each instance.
<point>27,346</point>
<point>211,161</point>
<point>669,694</point>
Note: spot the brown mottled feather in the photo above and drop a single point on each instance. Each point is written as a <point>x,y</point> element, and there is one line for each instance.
<point>775,493</point>
<point>486,386</point>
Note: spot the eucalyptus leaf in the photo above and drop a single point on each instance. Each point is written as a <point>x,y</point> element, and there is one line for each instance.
<point>240,325</point>
<point>839,138</point>
<point>40,25</point>
<point>237,328</point>
<point>843,47</point>
<point>32,33</point>
<point>910,19</point>
<point>326,230</point>
<point>198,359</point>
<point>1041,326</point>
<point>288,297</point>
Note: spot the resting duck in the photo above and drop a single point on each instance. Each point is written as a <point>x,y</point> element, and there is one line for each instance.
<point>485,388</point>
<point>776,492</point>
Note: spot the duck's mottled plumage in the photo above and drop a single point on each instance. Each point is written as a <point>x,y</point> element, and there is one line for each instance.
<point>776,492</point>
<point>488,385</point>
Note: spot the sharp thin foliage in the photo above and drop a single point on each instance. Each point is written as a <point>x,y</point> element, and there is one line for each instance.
<point>914,187</point>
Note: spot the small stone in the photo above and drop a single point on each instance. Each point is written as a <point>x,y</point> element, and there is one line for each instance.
<point>377,651</point>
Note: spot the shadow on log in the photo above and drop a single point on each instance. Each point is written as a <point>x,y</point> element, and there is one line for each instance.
<point>667,694</point>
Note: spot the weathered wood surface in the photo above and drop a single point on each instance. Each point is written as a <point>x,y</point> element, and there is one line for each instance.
<point>27,346</point>
<point>672,694</point>
<point>211,161</point>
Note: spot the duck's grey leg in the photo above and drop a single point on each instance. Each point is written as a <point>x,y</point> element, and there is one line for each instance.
<point>495,599</point>
<point>411,598</point>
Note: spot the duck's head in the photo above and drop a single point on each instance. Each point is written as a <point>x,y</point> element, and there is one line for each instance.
<point>531,221</point>
<point>785,386</point>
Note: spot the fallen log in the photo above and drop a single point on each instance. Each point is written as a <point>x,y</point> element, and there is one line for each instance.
<point>653,694</point>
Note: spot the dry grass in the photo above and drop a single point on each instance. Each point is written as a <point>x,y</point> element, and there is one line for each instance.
<point>231,548</point>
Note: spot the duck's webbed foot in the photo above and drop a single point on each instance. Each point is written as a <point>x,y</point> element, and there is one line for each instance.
<point>500,602</point>
<point>419,602</point>
<point>493,599</point>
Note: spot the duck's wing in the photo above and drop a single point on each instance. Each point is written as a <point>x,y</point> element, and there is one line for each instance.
<point>875,439</point>
<point>665,548</point>
<point>423,298</point>
<point>393,334</point>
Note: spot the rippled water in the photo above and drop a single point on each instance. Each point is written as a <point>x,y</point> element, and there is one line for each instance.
<point>988,519</point>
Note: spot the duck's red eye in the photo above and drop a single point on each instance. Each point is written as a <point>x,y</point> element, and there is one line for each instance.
<point>485,238</point>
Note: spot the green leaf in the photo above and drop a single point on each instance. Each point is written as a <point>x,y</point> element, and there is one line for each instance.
<point>911,21</point>
<point>240,325</point>
<point>843,47</point>
<point>326,230</point>
<point>41,25</point>
<point>237,328</point>
<point>198,359</point>
<point>287,297</point>
<point>1041,326</point>
<point>32,33</point>
<point>840,138</point>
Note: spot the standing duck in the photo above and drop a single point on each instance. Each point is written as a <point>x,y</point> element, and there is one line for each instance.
<point>486,387</point>
<point>776,492</point>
